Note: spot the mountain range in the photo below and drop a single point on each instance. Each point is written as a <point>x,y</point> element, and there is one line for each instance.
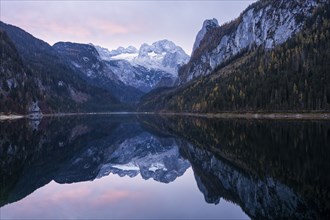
<point>34,74</point>
<point>150,67</point>
<point>266,23</point>
<point>80,77</point>
<point>273,57</point>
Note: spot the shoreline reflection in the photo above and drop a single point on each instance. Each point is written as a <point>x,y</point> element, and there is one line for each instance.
<point>271,169</point>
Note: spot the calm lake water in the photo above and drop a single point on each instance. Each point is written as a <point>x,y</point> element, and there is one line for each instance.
<point>139,166</point>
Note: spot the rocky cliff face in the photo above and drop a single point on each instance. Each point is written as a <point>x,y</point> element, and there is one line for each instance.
<point>260,198</point>
<point>207,26</point>
<point>265,23</point>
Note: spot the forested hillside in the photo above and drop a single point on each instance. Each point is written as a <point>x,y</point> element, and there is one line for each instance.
<point>16,90</point>
<point>33,74</point>
<point>293,76</point>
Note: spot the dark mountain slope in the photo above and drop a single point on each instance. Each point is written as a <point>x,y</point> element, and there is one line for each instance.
<point>60,87</point>
<point>293,76</point>
<point>17,90</point>
<point>265,23</point>
<point>86,61</point>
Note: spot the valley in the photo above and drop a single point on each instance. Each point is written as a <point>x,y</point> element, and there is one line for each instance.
<point>165,109</point>
<point>268,60</point>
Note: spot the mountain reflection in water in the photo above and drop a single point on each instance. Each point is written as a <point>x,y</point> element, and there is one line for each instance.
<point>271,169</point>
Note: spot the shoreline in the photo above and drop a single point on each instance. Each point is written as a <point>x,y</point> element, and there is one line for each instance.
<point>225,115</point>
<point>11,117</point>
<point>257,116</point>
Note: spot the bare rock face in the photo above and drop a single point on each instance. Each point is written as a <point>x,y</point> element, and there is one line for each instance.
<point>207,25</point>
<point>264,23</point>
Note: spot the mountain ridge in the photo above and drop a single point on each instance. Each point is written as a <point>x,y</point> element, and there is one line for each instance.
<point>264,23</point>
<point>292,76</point>
<point>55,87</point>
<point>149,67</point>
<point>86,61</point>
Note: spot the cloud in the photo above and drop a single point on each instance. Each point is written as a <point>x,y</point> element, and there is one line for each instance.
<point>114,196</point>
<point>70,195</point>
<point>87,30</point>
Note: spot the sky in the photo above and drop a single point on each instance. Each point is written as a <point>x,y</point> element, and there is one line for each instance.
<point>114,197</point>
<point>111,24</point>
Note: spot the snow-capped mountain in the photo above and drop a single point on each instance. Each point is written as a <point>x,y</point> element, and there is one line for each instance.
<point>105,53</point>
<point>265,22</point>
<point>148,67</point>
<point>138,76</point>
<point>148,155</point>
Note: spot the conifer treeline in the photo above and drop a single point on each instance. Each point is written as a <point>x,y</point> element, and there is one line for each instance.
<point>292,77</point>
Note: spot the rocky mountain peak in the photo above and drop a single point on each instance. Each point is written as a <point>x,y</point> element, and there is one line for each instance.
<point>159,47</point>
<point>150,156</point>
<point>164,46</point>
<point>147,68</point>
<point>264,23</point>
<point>207,25</point>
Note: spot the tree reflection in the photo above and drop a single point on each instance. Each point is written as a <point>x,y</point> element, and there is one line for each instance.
<point>272,169</point>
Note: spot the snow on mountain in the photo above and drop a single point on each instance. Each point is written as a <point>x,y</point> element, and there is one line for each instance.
<point>266,23</point>
<point>147,67</point>
<point>105,54</point>
<point>125,56</point>
<point>147,155</point>
<point>161,55</point>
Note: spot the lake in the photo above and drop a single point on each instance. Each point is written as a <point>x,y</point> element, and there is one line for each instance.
<point>168,167</point>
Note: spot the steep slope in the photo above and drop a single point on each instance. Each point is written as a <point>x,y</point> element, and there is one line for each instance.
<point>85,60</point>
<point>265,23</point>
<point>149,67</point>
<point>18,88</point>
<point>292,76</point>
<point>207,26</point>
<point>61,89</point>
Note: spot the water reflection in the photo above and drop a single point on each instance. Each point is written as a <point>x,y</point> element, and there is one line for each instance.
<point>271,169</point>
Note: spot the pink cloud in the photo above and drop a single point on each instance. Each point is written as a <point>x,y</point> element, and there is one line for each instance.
<point>70,195</point>
<point>114,196</point>
<point>109,27</point>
